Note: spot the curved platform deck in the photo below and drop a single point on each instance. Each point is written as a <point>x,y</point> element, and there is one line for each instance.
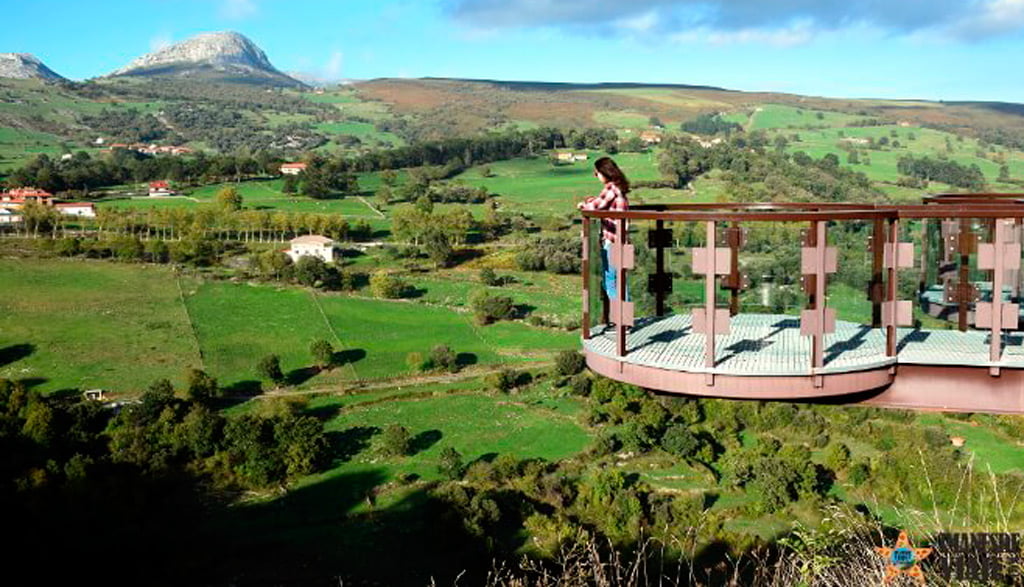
<point>765,357</point>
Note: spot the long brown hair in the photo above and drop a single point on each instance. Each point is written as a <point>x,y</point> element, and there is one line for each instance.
<point>611,172</point>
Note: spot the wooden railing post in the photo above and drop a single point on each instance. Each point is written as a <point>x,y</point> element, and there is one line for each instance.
<point>586,277</point>
<point>709,297</point>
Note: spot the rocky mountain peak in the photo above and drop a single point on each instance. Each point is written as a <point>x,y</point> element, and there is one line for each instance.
<point>25,66</point>
<point>224,54</point>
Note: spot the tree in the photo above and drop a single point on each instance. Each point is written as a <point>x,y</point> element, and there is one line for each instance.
<point>323,353</point>
<point>311,271</point>
<point>200,387</point>
<point>438,248</point>
<point>269,368</point>
<point>229,199</point>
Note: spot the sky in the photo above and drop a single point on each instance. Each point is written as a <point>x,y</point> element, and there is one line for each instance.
<point>903,49</point>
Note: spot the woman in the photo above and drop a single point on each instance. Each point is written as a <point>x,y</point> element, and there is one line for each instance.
<point>612,197</point>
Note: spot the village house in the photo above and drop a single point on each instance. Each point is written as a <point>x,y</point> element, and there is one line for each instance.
<point>650,137</point>
<point>311,246</point>
<point>570,157</point>
<point>160,188</point>
<point>292,168</point>
<point>20,196</point>
<point>9,216</point>
<point>80,209</point>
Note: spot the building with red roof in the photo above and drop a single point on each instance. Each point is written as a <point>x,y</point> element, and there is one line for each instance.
<point>292,168</point>
<point>160,188</point>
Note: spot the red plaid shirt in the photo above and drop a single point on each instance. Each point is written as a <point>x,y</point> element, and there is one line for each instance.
<point>611,198</point>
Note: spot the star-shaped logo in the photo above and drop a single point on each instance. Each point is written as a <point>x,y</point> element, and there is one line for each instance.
<point>903,559</point>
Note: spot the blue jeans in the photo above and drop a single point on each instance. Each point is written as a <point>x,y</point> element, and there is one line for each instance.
<point>609,277</point>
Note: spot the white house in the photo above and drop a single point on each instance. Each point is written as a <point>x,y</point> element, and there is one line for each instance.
<point>82,209</point>
<point>160,188</point>
<point>292,168</point>
<point>313,246</point>
<point>9,216</point>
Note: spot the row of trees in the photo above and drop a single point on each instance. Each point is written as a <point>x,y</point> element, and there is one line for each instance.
<point>222,223</point>
<point>951,172</point>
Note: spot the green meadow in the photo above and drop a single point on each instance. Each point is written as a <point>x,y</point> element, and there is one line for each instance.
<point>83,324</point>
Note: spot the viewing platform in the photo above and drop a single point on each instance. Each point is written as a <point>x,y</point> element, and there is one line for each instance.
<point>777,337</point>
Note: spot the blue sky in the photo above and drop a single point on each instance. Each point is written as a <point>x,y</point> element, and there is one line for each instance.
<point>933,49</point>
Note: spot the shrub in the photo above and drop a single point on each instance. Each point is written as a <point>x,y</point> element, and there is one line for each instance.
<point>442,357</point>
<point>580,384</point>
<point>680,442</point>
<point>860,472</point>
<point>200,386</point>
<point>450,463</point>
<point>569,363</point>
<point>488,277</point>
<point>837,456</point>
<point>503,381</point>
<point>310,271</point>
<point>489,308</point>
<point>323,353</point>
<point>414,361</point>
<point>387,285</point>
<point>269,367</point>
<point>395,441</point>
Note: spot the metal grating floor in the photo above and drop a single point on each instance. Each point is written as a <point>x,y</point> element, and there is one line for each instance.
<point>771,344</point>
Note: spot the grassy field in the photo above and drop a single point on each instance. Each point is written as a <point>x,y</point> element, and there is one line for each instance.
<point>73,324</point>
<point>537,187</point>
<point>92,325</point>
<point>17,146</point>
<point>477,425</point>
<point>259,195</point>
<point>778,116</point>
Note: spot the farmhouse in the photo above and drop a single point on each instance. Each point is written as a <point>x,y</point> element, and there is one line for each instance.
<point>292,168</point>
<point>160,188</point>
<point>570,157</point>
<point>312,246</point>
<point>650,137</point>
<point>20,196</point>
<point>9,216</point>
<point>81,209</point>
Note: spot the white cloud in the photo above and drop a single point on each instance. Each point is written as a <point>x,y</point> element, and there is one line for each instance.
<point>332,69</point>
<point>775,22</point>
<point>995,17</point>
<point>238,9</point>
<point>160,41</point>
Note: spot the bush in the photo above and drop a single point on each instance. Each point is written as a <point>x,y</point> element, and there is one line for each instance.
<point>323,353</point>
<point>503,381</point>
<point>387,285</point>
<point>488,277</point>
<point>489,308</point>
<point>310,271</point>
<point>415,362</point>
<point>450,463</point>
<point>200,387</point>
<point>580,384</point>
<point>860,472</point>
<point>395,441</point>
<point>442,357</point>
<point>680,442</point>
<point>269,367</point>
<point>569,363</point>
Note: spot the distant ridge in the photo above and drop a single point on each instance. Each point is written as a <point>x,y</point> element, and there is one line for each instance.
<point>26,66</point>
<point>224,56</point>
<point>528,85</point>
